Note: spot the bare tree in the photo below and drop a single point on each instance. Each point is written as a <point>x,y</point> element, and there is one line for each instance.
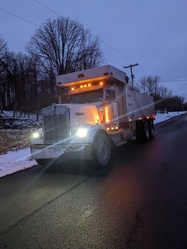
<point>16,80</point>
<point>18,83</point>
<point>64,46</point>
<point>3,47</point>
<point>164,92</point>
<point>3,51</point>
<point>149,84</point>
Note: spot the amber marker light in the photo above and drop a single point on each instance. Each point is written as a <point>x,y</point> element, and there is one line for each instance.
<point>106,115</point>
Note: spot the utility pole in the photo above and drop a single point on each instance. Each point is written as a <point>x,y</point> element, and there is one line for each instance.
<point>132,75</point>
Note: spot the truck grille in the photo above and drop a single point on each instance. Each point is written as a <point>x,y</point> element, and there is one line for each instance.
<point>55,122</point>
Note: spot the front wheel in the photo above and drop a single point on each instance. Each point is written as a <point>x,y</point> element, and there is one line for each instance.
<point>101,150</point>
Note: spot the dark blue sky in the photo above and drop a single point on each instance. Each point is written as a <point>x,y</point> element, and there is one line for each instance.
<point>151,33</point>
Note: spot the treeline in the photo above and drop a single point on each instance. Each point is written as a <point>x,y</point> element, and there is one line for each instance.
<point>163,97</point>
<point>24,88</point>
<point>27,80</point>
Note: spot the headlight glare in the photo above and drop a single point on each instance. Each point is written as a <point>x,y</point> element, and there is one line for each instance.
<point>36,135</point>
<point>82,132</point>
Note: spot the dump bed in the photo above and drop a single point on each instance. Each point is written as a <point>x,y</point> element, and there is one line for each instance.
<point>138,105</point>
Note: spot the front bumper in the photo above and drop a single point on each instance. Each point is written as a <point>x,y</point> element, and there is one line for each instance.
<point>61,151</point>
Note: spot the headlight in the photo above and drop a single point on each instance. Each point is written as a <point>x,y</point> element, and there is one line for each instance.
<point>82,132</point>
<point>36,135</point>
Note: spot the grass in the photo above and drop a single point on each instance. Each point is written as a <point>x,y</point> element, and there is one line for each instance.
<point>14,140</point>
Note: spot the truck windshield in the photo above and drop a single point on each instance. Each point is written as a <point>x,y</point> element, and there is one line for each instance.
<point>87,97</point>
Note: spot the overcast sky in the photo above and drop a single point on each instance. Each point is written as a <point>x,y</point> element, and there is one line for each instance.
<point>148,32</point>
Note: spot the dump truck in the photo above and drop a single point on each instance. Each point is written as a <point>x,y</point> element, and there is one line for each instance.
<point>97,109</point>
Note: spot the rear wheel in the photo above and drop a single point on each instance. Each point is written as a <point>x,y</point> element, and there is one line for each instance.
<point>139,131</point>
<point>151,129</point>
<point>145,131</point>
<point>101,150</point>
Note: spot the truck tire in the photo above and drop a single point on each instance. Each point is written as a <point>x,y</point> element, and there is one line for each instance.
<point>101,150</point>
<point>139,131</point>
<point>146,131</point>
<point>142,131</point>
<point>151,129</point>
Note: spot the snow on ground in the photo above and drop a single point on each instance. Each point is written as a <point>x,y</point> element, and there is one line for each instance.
<point>164,116</point>
<point>15,161</point>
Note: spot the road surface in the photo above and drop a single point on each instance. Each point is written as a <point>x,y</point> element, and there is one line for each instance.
<point>139,201</point>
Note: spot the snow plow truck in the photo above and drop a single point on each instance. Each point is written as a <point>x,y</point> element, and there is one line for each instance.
<point>97,109</point>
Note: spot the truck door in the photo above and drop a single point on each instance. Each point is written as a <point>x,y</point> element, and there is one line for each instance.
<point>110,97</point>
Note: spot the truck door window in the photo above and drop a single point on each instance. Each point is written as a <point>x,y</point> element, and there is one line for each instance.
<point>110,94</point>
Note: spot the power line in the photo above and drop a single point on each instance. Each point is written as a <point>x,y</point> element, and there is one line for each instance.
<point>114,61</point>
<point>169,81</point>
<point>19,17</point>
<point>101,40</point>
<point>43,5</point>
<point>117,50</point>
<point>47,7</point>
<point>177,80</point>
<point>23,19</point>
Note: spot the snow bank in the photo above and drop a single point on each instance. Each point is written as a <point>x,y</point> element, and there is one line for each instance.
<point>15,161</point>
<point>164,116</point>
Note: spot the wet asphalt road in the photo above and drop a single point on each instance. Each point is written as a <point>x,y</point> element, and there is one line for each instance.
<point>139,201</point>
